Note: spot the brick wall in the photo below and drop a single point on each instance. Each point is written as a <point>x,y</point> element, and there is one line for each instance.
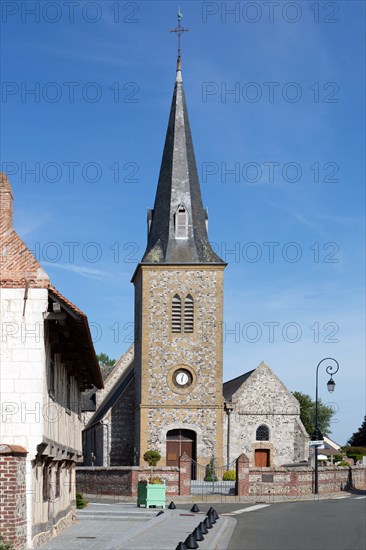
<point>13,511</point>
<point>297,482</point>
<point>122,481</point>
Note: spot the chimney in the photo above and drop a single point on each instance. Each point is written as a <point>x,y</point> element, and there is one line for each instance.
<point>6,203</point>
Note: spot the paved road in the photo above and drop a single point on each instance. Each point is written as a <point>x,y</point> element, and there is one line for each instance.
<point>334,524</point>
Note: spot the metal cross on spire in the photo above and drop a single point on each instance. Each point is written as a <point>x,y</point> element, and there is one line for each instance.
<point>179,30</point>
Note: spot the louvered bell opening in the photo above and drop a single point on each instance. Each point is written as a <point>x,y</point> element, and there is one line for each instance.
<point>188,314</point>
<point>176,314</point>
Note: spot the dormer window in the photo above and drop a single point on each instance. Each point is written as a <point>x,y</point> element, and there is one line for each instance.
<point>181,223</point>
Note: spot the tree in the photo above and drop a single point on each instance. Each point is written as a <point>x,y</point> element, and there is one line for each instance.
<point>358,439</point>
<point>307,413</point>
<point>106,364</point>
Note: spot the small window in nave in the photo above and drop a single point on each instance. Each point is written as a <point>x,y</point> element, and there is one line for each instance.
<point>262,433</point>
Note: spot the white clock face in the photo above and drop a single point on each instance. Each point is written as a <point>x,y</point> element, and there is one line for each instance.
<point>182,378</point>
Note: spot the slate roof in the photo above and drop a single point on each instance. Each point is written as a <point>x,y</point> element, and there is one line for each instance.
<point>112,396</point>
<point>178,185</point>
<point>231,386</point>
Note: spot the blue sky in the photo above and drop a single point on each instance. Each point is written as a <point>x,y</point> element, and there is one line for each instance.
<point>275,96</point>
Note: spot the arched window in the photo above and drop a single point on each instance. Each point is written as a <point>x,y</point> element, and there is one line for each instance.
<point>188,314</point>
<point>181,223</point>
<point>262,433</point>
<point>176,314</point>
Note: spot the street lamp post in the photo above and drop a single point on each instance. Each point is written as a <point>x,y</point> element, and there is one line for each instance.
<point>317,435</point>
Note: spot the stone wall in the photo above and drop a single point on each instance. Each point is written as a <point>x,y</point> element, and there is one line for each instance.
<point>160,352</point>
<point>296,482</point>
<point>122,481</point>
<point>13,511</point>
<point>264,399</point>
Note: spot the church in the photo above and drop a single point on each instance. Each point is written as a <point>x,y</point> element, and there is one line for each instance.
<point>166,393</point>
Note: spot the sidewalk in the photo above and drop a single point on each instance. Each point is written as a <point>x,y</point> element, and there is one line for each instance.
<point>123,526</point>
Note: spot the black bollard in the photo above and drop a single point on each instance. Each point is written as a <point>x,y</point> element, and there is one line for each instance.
<point>207,522</point>
<point>191,542</point>
<point>181,546</point>
<point>159,513</point>
<point>203,528</point>
<point>172,506</point>
<point>212,518</point>
<point>197,533</point>
<point>209,511</point>
<point>195,508</point>
<point>215,514</point>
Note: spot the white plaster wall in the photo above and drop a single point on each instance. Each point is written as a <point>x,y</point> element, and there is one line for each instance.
<point>22,367</point>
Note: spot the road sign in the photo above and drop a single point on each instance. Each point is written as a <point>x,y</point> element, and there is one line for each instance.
<point>321,442</point>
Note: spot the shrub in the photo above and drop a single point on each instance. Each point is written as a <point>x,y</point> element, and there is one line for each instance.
<point>156,481</point>
<point>81,502</point>
<point>354,452</point>
<point>152,457</point>
<point>229,475</point>
<point>4,545</point>
<point>210,473</point>
<point>342,463</point>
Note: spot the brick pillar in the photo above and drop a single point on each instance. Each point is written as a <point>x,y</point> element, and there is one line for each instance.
<point>134,479</point>
<point>184,475</point>
<point>242,475</point>
<point>13,507</point>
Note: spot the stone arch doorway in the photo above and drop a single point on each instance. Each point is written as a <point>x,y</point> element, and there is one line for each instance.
<point>180,441</point>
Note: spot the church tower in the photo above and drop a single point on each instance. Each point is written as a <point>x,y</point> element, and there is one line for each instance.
<point>179,312</point>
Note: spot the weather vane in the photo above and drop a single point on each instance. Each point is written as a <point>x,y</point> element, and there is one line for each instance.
<point>179,30</point>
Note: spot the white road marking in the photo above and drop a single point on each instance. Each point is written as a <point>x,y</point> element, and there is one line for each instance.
<point>99,504</point>
<point>359,498</point>
<point>250,509</point>
<point>345,496</point>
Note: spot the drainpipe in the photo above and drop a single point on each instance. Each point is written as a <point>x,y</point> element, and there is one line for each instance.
<point>228,438</point>
<point>105,425</point>
<point>228,409</point>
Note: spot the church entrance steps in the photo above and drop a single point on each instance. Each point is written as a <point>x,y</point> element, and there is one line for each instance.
<point>114,512</point>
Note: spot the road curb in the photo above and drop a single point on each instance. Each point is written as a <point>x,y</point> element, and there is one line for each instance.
<point>222,536</point>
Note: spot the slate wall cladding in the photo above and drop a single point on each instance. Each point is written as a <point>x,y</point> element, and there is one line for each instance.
<point>122,420</point>
<point>159,352</point>
<point>263,399</point>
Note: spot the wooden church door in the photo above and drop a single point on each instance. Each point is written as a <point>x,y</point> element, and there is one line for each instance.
<point>179,442</point>
<point>262,458</point>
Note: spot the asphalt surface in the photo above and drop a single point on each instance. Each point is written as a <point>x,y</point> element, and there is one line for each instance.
<point>332,524</point>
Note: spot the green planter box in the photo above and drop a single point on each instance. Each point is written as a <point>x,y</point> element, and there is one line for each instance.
<point>151,495</point>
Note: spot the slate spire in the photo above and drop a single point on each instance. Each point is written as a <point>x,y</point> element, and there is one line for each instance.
<point>178,223</point>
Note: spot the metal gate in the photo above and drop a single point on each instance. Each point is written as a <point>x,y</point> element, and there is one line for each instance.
<point>208,480</point>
